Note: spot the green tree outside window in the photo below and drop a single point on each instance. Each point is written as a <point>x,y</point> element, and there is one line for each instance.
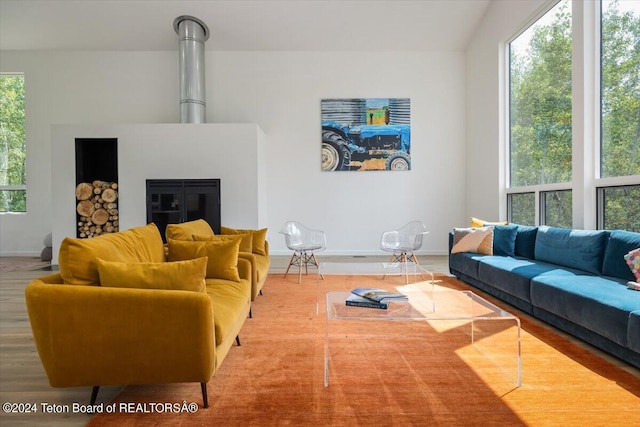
<point>620,89</point>
<point>540,110</point>
<point>620,112</point>
<point>12,144</point>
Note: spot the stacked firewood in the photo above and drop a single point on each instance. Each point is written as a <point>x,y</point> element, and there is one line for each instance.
<point>97,208</point>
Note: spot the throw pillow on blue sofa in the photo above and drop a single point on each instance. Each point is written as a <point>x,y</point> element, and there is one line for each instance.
<point>504,240</point>
<point>579,249</point>
<point>526,241</point>
<point>620,243</point>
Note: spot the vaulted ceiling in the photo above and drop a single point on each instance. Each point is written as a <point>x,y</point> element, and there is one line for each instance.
<point>242,25</point>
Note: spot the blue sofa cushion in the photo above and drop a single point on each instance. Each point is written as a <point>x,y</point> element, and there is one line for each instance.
<point>619,244</point>
<point>581,249</point>
<point>599,304</point>
<point>633,332</point>
<point>526,241</point>
<point>465,263</point>
<point>504,240</point>
<point>513,275</point>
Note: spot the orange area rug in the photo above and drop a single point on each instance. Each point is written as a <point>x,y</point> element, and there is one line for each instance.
<point>391,374</point>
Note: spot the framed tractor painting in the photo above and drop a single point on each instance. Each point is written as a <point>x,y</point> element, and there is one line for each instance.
<point>360,134</point>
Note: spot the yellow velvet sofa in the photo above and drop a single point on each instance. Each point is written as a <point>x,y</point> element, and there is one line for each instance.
<point>151,323</point>
<point>253,247</point>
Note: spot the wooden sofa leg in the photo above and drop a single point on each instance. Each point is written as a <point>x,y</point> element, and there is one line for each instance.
<point>94,394</point>
<point>205,400</point>
<point>260,292</point>
<point>238,340</point>
<point>250,314</point>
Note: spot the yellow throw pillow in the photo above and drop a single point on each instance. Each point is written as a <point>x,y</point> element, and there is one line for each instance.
<point>475,239</point>
<point>185,230</point>
<point>180,275</point>
<point>77,257</point>
<point>259,245</point>
<point>246,244</point>
<point>476,222</point>
<point>222,256</point>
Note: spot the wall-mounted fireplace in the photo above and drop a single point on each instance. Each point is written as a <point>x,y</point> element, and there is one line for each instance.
<point>97,210</point>
<point>172,201</point>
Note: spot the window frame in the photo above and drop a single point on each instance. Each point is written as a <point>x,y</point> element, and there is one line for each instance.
<point>538,189</point>
<point>587,184</point>
<point>601,183</point>
<point>17,187</point>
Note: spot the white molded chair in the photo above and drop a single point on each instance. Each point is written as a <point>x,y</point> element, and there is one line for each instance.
<point>304,242</point>
<point>404,241</point>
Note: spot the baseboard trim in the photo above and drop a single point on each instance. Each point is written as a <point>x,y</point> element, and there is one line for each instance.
<point>357,253</point>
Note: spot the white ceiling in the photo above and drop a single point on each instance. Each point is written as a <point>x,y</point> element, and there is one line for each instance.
<point>241,25</point>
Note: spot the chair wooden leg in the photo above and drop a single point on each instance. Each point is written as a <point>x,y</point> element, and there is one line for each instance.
<point>291,262</point>
<point>406,271</point>
<point>238,340</point>
<point>413,258</point>
<point>315,262</point>
<point>205,400</point>
<point>302,260</point>
<point>94,394</point>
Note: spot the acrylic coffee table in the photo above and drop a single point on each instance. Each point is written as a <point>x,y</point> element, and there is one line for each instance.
<point>411,272</point>
<point>490,329</point>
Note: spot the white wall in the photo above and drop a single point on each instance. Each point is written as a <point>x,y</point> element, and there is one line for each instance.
<point>166,151</point>
<point>86,88</point>
<point>486,101</point>
<point>281,92</point>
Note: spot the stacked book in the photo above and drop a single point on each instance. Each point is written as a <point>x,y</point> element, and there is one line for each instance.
<point>373,298</point>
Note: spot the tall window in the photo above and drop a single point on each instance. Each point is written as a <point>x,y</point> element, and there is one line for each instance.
<point>13,189</point>
<point>620,115</point>
<point>540,119</point>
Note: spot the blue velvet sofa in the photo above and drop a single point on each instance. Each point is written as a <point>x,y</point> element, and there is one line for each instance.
<point>575,280</point>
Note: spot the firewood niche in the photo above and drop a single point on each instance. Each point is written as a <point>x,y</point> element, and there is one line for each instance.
<point>97,208</point>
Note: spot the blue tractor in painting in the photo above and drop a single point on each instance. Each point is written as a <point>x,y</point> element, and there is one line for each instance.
<point>348,147</point>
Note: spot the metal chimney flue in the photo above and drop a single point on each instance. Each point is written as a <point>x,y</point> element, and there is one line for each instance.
<point>192,33</point>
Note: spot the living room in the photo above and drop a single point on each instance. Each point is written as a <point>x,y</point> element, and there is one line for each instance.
<point>88,75</point>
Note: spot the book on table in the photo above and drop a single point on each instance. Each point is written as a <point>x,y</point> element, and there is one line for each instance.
<point>356,301</point>
<point>378,295</point>
<point>373,298</point>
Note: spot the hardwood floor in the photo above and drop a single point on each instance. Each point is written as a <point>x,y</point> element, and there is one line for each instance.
<point>23,379</point>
